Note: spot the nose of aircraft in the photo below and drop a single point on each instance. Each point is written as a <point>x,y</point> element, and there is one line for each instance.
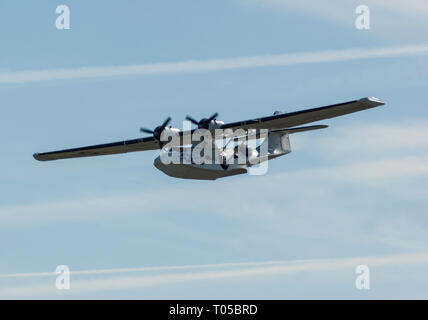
<point>158,163</point>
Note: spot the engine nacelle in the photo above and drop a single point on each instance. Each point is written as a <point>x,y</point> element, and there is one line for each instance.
<point>172,131</point>
<point>215,124</point>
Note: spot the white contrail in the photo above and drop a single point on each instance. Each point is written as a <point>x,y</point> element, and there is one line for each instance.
<point>239,270</point>
<point>214,64</point>
<point>294,265</point>
<point>142,269</point>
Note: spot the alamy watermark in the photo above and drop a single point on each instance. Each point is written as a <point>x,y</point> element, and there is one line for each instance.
<point>362,282</point>
<point>62,22</point>
<point>63,277</point>
<point>226,148</point>
<point>362,22</point>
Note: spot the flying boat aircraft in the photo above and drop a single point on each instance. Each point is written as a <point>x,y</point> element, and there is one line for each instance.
<point>235,157</point>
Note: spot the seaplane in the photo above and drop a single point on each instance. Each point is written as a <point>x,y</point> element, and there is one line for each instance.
<point>215,149</point>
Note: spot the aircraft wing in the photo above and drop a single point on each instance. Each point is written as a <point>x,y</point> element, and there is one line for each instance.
<point>280,121</point>
<point>287,120</point>
<point>142,144</point>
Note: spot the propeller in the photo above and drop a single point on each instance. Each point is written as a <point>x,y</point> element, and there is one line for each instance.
<point>158,130</point>
<point>203,123</point>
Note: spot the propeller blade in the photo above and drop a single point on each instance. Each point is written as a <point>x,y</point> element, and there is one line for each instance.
<point>146,130</point>
<point>203,123</point>
<point>213,117</point>
<point>165,123</point>
<point>192,120</point>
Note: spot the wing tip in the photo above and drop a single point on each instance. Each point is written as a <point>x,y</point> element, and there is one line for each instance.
<point>38,157</point>
<point>373,101</point>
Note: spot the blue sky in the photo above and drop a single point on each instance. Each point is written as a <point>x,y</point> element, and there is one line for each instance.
<point>354,193</point>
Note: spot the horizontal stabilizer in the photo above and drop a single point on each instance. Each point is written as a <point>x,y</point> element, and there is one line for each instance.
<point>302,129</point>
<point>288,130</point>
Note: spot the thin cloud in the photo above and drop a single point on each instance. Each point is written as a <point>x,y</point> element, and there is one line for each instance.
<point>372,138</point>
<point>368,173</point>
<point>213,65</point>
<point>141,269</point>
<point>245,270</point>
